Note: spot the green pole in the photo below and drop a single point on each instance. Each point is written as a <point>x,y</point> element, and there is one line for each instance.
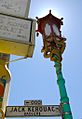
<point>56,56</point>
<point>65,106</point>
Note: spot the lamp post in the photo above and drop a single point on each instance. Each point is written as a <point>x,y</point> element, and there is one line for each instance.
<point>53,48</point>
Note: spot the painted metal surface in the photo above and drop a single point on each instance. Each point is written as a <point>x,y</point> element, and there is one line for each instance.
<point>17,36</point>
<point>65,106</point>
<point>33,111</point>
<point>18,8</point>
<point>5,77</point>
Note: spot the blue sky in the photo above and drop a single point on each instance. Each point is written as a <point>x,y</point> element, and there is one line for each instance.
<point>35,78</point>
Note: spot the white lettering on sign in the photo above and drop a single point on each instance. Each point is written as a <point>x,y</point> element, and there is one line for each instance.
<point>15,29</point>
<point>32,102</point>
<point>26,111</point>
<point>15,7</point>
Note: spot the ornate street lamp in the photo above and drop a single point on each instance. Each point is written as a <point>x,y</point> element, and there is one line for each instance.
<point>53,48</point>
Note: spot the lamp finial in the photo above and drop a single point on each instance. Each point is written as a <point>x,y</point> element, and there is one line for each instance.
<point>49,11</point>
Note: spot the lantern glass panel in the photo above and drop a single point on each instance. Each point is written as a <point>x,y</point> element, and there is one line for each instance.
<point>47,29</point>
<point>55,29</point>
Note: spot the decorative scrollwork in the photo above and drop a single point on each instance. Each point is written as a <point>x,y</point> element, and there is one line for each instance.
<point>2,113</point>
<point>53,48</point>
